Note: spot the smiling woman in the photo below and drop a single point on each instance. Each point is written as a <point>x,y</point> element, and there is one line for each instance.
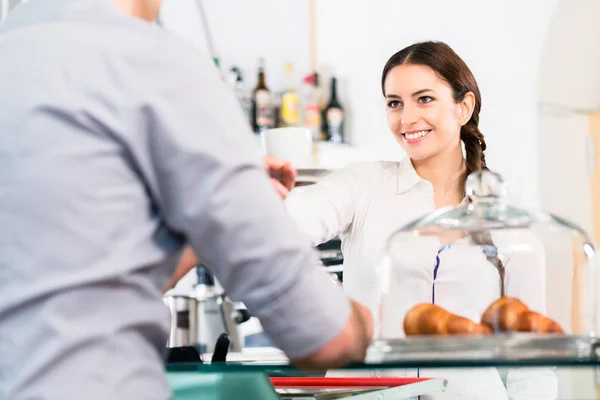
<point>433,104</point>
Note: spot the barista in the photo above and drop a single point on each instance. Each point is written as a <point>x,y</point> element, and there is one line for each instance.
<point>433,104</point>
<point>124,146</point>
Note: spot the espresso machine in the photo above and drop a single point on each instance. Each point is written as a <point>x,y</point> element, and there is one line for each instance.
<point>205,318</point>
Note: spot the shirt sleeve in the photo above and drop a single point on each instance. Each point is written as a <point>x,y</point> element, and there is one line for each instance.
<point>202,164</point>
<point>326,209</point>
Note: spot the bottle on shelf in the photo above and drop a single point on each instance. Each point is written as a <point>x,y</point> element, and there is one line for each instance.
<point>334,116</point>
<point>276,99</point>
<point>290,100</point>
<point>319,92</point>
<point>312,107</point>
<point>262,103</point>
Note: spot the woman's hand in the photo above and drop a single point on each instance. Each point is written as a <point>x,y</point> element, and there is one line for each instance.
<point>282,174</point>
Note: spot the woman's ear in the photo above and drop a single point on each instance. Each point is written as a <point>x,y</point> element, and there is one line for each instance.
<point>467,105</point>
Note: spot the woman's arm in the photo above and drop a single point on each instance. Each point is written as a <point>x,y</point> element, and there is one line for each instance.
<point>326,209</point>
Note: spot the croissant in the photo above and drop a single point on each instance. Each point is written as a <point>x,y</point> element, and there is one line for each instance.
<point>430,319</point>
<point>503,314</point>
<point>532,321</point>
<point>508,314</point>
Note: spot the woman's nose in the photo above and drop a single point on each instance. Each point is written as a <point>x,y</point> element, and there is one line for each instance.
<point>410,115</point>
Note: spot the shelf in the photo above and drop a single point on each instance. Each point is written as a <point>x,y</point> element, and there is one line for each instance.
<point>498,349</point>
<point>520,350</point>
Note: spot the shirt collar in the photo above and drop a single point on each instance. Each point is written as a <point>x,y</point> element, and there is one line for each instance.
<point>408,179</point>
<point>407,176</point>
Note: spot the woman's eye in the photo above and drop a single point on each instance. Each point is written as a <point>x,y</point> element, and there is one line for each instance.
<point>394,104</point>
<point>425,99</point>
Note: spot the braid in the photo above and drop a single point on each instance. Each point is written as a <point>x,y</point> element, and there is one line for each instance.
<point>474,147</point>
<point>484,240</point>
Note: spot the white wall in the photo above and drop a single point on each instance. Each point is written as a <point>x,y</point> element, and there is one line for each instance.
<point>243,31</point>
<point>569,84</point>
<point>183,17</point>
<point>571,57</point>
<point>564,181</point>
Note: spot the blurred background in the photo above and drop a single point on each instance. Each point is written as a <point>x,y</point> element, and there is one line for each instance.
<point>537,63</point>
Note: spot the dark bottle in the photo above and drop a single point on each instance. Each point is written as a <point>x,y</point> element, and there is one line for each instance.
<point>334,116</point>
<point>262,104</point>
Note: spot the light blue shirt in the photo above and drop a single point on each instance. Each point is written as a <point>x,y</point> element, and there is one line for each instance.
<point>118,144</point>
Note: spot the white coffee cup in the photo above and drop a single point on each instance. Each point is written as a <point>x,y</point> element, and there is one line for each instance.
<point>289,144</point>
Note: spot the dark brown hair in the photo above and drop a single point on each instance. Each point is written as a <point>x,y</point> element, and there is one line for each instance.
<point>449,67</point>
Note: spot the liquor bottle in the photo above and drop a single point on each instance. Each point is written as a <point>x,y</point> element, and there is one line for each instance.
<point>334,116</point>
<point>313,107</point>
<point>262,103</point>
<point>290,101</point>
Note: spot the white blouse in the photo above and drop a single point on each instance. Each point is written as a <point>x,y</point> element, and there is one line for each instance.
<point>364,204</point>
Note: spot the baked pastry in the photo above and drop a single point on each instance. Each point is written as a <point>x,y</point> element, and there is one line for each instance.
<point>532,321</point>
<point>509,314</point>
<point>502,315</point>
<point>430,319</point>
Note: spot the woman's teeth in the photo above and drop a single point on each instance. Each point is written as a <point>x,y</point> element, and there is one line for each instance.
<point>416,135</point>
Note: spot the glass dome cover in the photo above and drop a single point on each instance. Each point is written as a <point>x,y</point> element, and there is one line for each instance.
<point>486,279</point>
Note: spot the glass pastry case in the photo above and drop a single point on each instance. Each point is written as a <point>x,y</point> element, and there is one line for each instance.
<point>486,279</point>
<point>486,289</point>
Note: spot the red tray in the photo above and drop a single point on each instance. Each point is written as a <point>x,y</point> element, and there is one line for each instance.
<point>337,383</point>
